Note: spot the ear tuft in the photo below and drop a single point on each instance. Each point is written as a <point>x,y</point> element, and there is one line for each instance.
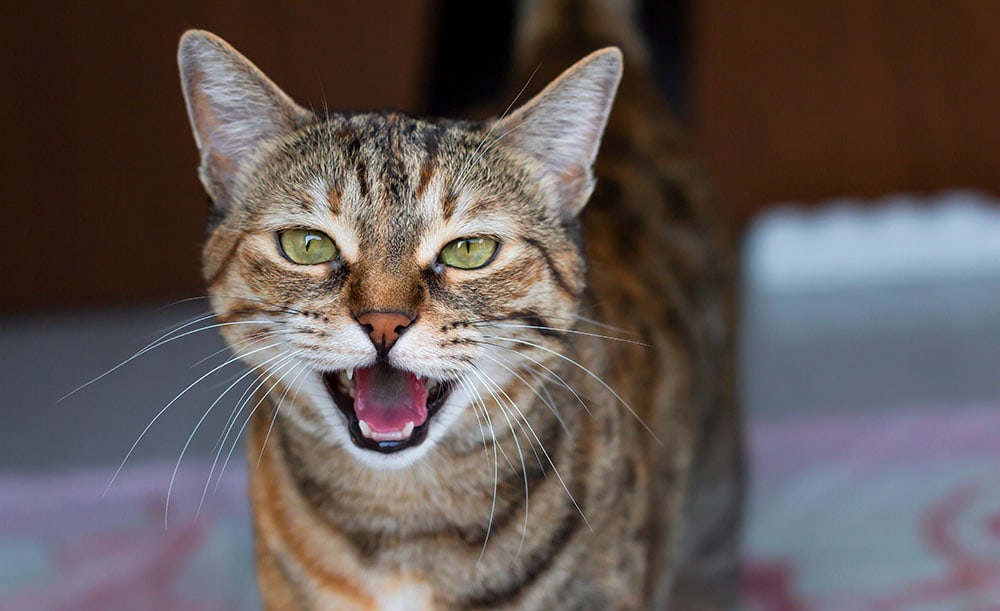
<point>562,126</point>
<point>233,107</point>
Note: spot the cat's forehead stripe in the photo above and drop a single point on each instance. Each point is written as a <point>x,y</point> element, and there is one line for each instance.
<point>431,140</point>
<point>449,203</point>
<point>396,189</point>
<point>334,195</point>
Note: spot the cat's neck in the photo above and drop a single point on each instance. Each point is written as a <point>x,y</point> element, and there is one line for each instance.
<point>455,485</point>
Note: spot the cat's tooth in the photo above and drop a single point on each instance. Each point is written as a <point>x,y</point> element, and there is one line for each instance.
<point>407,430</point>
<point>350,374</point>
<point>366,430</point>
<point>392,436</point>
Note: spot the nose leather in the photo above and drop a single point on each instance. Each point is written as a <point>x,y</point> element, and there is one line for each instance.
<point>384,328</point>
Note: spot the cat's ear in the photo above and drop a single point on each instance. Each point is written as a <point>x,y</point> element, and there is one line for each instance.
<point>234,108</point>
<point>562,126</point>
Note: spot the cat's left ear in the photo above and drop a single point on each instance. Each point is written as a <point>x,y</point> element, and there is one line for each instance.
<point>234,109</point>
<point>562,126</point>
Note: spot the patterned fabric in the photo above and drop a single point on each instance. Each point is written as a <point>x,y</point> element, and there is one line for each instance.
<point>896,511</point>
<point>63,547</point>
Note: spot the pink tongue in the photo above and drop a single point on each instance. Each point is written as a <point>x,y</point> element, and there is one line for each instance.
<point>387,398</point>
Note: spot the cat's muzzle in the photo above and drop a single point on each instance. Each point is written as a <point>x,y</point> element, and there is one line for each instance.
<point>387,409</point>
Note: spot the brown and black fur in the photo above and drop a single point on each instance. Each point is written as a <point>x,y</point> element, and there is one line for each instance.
<point>654,203</point>
<point>607,475</point>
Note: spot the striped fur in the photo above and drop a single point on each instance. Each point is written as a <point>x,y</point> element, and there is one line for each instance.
<point>568,469</point>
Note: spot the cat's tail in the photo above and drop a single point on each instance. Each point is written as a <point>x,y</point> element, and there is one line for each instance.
<point>552,34</point>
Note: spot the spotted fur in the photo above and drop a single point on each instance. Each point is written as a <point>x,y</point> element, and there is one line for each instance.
<point>589,455</point>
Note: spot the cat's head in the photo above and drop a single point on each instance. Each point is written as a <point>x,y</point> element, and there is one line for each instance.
<point>385,273</point>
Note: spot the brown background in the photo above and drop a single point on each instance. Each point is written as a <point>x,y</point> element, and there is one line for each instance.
<point>101,200</point>
<point>799,101</point>
<point>789,100</point>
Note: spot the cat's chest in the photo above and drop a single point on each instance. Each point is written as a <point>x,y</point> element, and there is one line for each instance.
<point>321,568</point>
<point>308,563</point>
<point>382,592</point>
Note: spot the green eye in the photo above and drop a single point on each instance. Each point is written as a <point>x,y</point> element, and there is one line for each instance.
<point>468,253</point>
<point>307,246</point>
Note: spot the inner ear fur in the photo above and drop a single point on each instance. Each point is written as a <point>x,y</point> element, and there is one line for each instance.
<point>233,107</point>
<point>562,126</point>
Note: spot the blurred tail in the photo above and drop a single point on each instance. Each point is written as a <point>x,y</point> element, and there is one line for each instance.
<point>641,138</point>
<point>553,34</point>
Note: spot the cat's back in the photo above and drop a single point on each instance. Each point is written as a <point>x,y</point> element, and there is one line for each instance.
<point>662,290</point>
<point>654,218</point>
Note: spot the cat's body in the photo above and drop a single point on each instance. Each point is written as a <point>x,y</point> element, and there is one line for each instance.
<point>595,473</point>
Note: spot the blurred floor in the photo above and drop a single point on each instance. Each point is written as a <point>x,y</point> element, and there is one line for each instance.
<point>869,382</point>
<point>46,356</point>
<point>855,307</point>
<point>809,344</point>
<point>873,349</point>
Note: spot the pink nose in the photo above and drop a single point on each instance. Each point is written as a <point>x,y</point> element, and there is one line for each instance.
<point>384,328</point>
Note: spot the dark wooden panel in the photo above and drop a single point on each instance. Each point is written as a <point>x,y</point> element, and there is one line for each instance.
<point>99,193</point>
<point>806,100</point>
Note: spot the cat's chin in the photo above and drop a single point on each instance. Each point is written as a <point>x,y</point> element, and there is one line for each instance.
<point>388,410</point>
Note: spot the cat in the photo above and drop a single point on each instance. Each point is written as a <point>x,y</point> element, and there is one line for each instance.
<point>493,382</point>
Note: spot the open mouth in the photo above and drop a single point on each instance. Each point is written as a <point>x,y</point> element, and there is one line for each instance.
<point>387,409</point>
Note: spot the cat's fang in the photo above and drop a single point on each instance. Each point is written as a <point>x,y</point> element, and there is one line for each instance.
<point>346,378</point>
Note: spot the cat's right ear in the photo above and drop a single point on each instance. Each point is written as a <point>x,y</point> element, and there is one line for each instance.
<point>233,107</point>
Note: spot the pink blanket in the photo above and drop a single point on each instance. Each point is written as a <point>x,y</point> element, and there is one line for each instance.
<point>887,512</point>
<point>899,511</point>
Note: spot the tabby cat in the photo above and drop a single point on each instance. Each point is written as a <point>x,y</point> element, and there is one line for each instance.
<point>480,393</point>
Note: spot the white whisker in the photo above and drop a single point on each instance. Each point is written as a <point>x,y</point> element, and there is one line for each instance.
<point>490,146</point>
<point>572,331</point>
<point>174,327</point>
<point>520,424</point>
<point>220,441</point>
<point>253,410</point>
<point>174,400</point>
<point>524,469</point>
<point>496,467</point>
<point>479,418</point>
<point>158,343</point>
<point>177,466</point>
<point>299,377</point>
<point>278,307</point>
<point>588,372</point>
<point>586,408</point>
<point>602,325</point>
<point>220,444</point>
<point>549,404</point>
<point>238,345</point>
<point>460,178</point>
<point>555,470</point>
<point>141,351</point>
<point>503,453</point>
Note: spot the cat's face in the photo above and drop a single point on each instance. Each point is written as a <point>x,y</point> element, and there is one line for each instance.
<point>392,275</point>
<point>390,267</point>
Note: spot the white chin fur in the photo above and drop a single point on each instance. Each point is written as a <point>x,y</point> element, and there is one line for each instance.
<point>437,429</point>
<point>336,434</point>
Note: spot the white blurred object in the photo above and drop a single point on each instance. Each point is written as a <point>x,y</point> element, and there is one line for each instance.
<point>897,240</point>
